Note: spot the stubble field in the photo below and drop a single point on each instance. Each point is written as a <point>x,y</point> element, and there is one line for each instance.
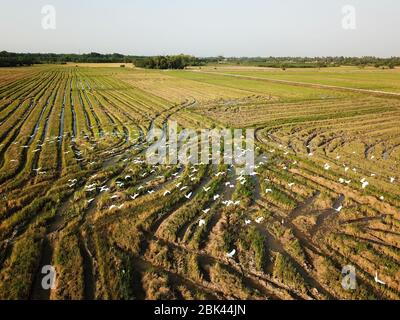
<point>76,192</point>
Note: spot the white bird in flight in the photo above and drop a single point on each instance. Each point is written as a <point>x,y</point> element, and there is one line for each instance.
<point>231,254</point>
<point>338,209</point>
<point>187,196</point>
<point>202,222</point>
<point>377,280</point>
<point>206,210</point>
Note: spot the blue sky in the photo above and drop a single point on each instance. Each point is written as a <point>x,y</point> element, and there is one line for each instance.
<point>203,27</point>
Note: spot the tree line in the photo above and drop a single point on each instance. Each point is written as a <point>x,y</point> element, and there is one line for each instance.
<point>168,62</point>
<point>314,62</point>
<point>10,59</point>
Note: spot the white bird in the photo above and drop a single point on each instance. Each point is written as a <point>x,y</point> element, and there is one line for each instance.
<point>231,254</point>
<point>166,192</point>
<point>247,221</point>
<point>377,279</point>
<point>392,179</point>
<point>268,190</point>
<point>187,196</point>
<point>114,197</point>
<point>179,184</point>
<point>134,196</point>
<point>202,222</point>
<point>327,166</point>
<point>216,197</point>
<point>90,200</point>
<point>365,184</point>
<point>127,177</point>
<point>346,169</point>
<point>183,188</point>
<point>112,207</point>
<point>291,184</point>
<point>150,191</point>
<point>382,198</point>
<point>228,203</point>
<point>206,210</point>
<point>260,219</point>
<point>206,189</point>
<point>338,209</point>
<point>347,181</point>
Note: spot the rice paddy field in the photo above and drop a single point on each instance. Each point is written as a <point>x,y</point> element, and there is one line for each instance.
<point>76,192</point>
